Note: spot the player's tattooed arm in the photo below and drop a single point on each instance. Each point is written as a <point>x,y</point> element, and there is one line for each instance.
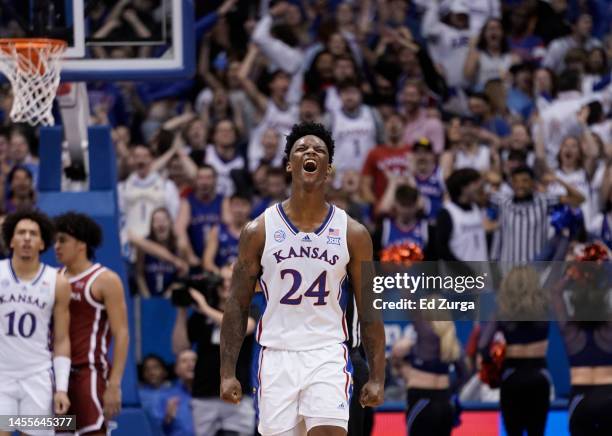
<point>235,318</point>
<point>372,327</point>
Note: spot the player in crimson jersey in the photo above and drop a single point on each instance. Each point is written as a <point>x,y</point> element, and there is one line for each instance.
<point>97,314</point>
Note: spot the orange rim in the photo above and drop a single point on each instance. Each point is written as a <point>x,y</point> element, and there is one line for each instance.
<point>22,44</point>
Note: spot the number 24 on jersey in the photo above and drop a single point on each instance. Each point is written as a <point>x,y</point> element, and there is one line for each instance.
<point>315,290</point>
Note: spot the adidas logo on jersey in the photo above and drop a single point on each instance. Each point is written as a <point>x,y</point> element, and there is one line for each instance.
<point>306,239</point>
<point>342,406</point>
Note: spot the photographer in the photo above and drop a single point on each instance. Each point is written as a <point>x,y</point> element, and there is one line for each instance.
<point>207,296</point>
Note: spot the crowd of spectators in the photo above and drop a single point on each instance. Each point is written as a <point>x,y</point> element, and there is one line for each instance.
<point>453,119</point>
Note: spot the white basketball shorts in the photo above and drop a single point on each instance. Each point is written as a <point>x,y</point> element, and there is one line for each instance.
<point>31,395</point>
<point>301,385</point>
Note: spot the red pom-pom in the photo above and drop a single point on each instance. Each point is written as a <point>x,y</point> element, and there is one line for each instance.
<point>595,252</point>
<point>404,254</point>
<point>491,372</point>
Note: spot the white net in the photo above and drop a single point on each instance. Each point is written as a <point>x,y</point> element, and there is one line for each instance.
<point>33,67</point>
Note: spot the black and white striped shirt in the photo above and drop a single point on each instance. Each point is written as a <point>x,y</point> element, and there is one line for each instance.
<point>524,226</point>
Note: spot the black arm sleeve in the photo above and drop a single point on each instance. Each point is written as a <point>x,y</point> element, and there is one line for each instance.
<point>444,230</point>
<point>433,79</point>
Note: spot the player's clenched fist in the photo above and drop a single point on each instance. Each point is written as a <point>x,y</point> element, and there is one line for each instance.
<point>231,391</point>
<point>61,403</point>
<point>372,394</point>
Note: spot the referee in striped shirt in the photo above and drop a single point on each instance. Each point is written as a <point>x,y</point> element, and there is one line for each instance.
<point>524,217</point>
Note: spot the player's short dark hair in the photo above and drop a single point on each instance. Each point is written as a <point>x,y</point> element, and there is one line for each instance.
<point>406,195</point>
<point>459,179</point>
<point>523,169</point>
<point>82,228</point>
<point>47,230</point>
<point>315,129</point>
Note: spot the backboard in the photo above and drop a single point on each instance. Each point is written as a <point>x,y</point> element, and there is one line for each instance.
<point>110,39</point>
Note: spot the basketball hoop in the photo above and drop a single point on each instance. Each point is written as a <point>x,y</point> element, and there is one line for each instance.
<point>33,66</point>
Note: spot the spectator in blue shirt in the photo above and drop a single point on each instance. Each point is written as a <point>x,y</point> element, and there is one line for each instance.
<point>153,380</point>
<point>173,410</point>
<point>520,99</point>
<point>480,106</point>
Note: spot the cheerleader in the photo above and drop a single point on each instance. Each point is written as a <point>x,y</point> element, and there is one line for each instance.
<point>587,335</point>
<point>524,367</point>
<point>428,363</point>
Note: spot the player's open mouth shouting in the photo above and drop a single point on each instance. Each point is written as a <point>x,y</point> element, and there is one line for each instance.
<point>310,165</point>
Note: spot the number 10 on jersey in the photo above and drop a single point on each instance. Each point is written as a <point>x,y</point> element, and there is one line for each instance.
<point>23,325</point>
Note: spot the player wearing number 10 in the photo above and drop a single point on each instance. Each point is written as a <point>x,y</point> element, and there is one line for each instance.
<point>302,251</point>
<point>31,293</point>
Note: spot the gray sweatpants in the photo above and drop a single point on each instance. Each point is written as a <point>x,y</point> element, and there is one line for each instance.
<point>213,414</point>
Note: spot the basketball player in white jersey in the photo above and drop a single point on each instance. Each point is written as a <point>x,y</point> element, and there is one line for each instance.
<point>33,296</point>
<point>302,251</point>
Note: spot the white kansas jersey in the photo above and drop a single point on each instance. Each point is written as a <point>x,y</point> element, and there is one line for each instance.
<point>304,283</point>
<point>354,138</point>
<point>468,239</point>
<point>139,198</point>
<point>25,318</point>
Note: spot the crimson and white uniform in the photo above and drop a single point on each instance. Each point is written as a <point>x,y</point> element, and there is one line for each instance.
<point>89,341</point>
